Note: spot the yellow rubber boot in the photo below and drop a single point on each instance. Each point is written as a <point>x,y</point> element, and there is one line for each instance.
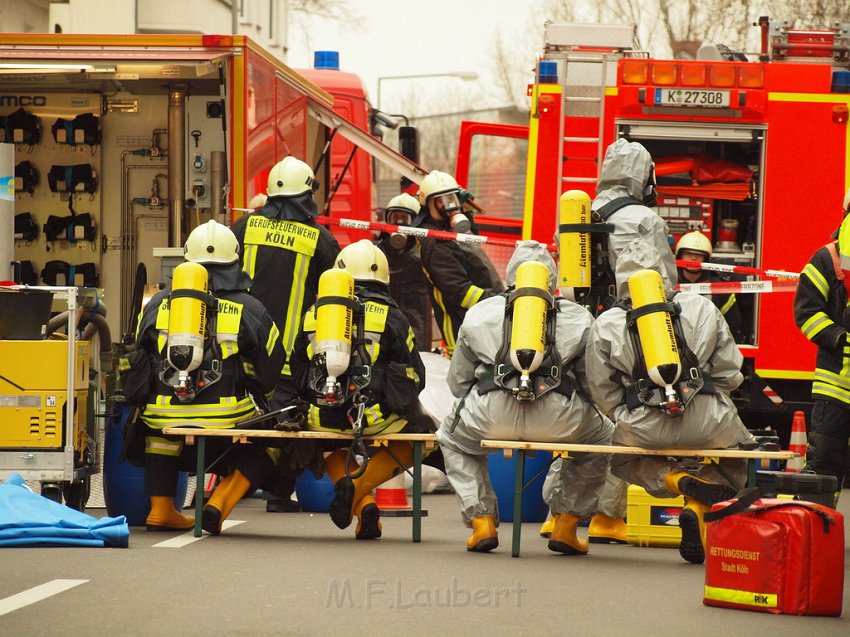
<point>564,539</point>
<point>381,467</point>
<point>606,530</point>
<point>164,517</point>
<point>368,519</point>
<point>226,495</point>
<point>692,546</point>
<point>484,537</point>
<point>335,465</point>
<point>682,483</point>
<point>546,527</point>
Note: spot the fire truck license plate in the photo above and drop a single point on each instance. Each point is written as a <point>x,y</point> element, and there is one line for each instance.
<point>691,97</point>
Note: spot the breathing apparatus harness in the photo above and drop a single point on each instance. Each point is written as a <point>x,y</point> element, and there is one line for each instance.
<point>186,385</point>
<point>643,391</point>
<point>348,390</point>
<point>548,376</point>
<point>603,287</point>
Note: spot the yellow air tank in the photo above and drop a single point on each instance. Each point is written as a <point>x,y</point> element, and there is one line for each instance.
<point>655,330</point>
<point>574,246</point>
<point>333,324</point>
<point>528,329</point>
<point>187,319</point>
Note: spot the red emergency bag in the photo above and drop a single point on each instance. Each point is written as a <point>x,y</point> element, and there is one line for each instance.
<point>774,556</point>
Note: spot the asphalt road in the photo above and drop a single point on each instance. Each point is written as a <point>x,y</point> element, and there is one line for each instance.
<point>297,574</point>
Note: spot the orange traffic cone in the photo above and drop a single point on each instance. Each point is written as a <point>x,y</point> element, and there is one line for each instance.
<point>391,498</point>
<point>798,443</point>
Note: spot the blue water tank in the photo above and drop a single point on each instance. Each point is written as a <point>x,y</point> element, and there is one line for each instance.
<point>124,484</point>
<point>326,60</point>
<point>314,495</point>
<point>547,72</point>
<point>502,474</point>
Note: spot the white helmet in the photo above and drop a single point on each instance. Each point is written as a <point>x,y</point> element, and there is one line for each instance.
<point>401,209</point>
<point>436,183</point>
<point>211,242</point>
<point>290,177</point>
<point>364,261</point>
<point>694,241</point>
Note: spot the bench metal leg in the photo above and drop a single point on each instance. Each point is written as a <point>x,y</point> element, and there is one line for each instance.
<point>519,485</point>
<point>417,491</point>
<point>200,446</point>
<point>751,472</point>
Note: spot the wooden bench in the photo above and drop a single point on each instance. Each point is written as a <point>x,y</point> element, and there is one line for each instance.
<point>197,436</point>
<point>562,450</point>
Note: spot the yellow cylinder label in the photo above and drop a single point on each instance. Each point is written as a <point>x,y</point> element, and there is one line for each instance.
<point>186,315</point>
<point>528,330</point>
<point>333,320</point>
<point>655,329</point>
<point>574,247</point>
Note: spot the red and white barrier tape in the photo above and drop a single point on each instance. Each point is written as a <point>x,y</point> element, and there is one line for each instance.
<point>416,232</point>
<point>737,269</point>
<point>357,224</point>
<point>738,287</point>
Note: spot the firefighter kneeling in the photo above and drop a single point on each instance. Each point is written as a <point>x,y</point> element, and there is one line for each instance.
<point>666,383</point>
<point>355,361</point>
<point>213,350</point>
<point>518,374</point>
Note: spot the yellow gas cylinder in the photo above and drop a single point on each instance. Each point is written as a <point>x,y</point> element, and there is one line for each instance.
<point>334,323</point>
<point>528,329</point>
<point>574,246</point>
<point>655,330</point>
<point>187,318</point>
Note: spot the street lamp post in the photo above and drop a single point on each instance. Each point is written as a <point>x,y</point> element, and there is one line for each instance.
<point>466,76</point>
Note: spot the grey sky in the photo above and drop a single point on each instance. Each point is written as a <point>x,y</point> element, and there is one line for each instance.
<point>413,38</point>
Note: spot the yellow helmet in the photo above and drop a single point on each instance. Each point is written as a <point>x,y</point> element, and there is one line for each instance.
<point>364,261</point>
<point>211,242</point>
<point>291,177</point>
<point>694,241</point>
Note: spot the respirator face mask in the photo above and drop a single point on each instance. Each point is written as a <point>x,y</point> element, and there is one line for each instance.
<point>398,217</point>
<point>448,206</point>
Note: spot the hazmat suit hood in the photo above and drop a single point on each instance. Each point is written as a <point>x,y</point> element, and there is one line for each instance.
<point>625,171</point>
<point>531,251</point>
<point>638,255</point>
<point>297,208</point>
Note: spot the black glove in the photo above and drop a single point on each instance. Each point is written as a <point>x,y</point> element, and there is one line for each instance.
<point>294,419</point>
<point>464,196</point>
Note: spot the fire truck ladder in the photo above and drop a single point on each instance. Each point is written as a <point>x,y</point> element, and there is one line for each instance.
<point>588,63</point>
<point>581,152</point>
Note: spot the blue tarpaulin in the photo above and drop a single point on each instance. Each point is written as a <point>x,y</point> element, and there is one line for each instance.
<point>28,519</point>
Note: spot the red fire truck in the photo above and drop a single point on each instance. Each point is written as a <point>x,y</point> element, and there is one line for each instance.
<point>773,134</point>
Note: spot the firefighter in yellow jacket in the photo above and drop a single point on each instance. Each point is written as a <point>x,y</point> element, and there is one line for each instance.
<point>356,362</point>
<point>214,352</point>
<point>822,313</point>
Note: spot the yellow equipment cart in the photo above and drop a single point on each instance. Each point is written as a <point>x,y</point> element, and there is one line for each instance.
<point>46,425</point>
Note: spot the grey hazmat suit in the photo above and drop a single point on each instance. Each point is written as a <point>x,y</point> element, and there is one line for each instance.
<point>710,421</point>
<point>552,417</point>
<point>625,171</point>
